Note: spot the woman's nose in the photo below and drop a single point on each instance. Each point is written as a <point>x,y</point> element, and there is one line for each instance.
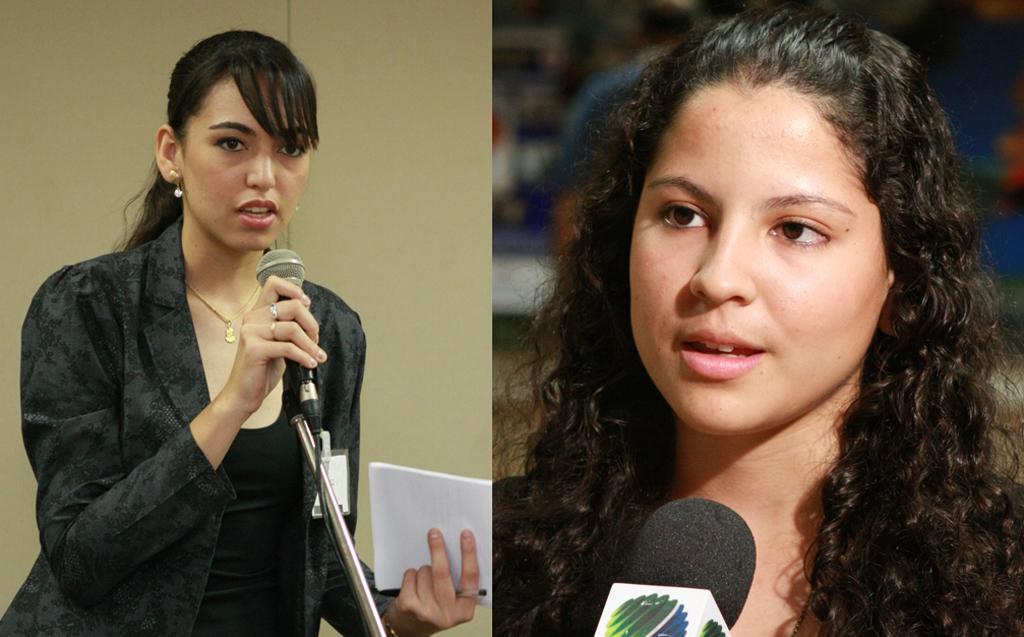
<point>726,271</point>
<point>261,173</point>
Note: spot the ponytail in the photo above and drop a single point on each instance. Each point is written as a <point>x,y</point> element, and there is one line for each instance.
<point>160,209</point>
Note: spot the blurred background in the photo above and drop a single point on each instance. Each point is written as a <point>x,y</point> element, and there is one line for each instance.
<point>392,219</point>
<point>560,65</point>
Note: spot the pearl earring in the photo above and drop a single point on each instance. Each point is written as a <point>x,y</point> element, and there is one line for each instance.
<point>176,178</point>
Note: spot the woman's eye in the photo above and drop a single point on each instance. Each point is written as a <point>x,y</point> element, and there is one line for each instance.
<point>293,151</point>
<point>230,143</point>
<point>799,233</point>
<point>683,217</point>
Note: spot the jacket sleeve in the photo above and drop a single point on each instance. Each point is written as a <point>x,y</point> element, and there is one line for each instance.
<point>339,608</point>
<point>98,519</point>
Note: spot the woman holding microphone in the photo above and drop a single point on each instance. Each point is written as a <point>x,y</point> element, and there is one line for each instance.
<point>171,494</point>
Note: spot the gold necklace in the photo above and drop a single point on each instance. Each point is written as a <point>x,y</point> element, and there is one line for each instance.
<point>800,619</point>
<point>229,330</point>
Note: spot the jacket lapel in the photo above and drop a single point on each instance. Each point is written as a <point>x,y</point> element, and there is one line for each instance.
<point>167,325</point>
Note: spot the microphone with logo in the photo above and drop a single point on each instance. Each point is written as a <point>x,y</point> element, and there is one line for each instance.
<point>688,574</point>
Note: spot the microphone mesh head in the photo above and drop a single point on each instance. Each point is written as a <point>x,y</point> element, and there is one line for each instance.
<point>695,543</point>
<point>283,263</point>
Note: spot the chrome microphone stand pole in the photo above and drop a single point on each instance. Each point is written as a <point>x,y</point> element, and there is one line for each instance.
<point>339,534</point>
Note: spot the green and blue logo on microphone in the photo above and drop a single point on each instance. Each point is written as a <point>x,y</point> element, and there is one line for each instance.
<point>648,616</point>
<point>660,611</point>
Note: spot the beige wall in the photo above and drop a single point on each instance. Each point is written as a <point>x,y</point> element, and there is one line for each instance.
<point>395,218</point>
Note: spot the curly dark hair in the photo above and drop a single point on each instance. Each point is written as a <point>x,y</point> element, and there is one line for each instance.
<point>919,533</point>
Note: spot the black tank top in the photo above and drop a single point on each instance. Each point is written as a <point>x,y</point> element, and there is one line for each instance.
<point>242,596</point>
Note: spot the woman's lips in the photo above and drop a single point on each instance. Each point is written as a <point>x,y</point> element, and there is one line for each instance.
<point>716,361</point>
<point>257,217</point>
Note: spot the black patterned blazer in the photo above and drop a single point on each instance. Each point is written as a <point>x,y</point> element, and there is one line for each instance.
<point>128,507</point>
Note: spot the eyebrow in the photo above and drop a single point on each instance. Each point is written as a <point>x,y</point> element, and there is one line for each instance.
<point>683,183</point>
<point>803,198</point>
<point>784,201</point>
<point>242,128</point>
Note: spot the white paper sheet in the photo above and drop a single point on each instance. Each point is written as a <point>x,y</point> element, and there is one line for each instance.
<point>405,503</point>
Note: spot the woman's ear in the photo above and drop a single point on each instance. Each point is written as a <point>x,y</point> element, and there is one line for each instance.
<point>168,153</point>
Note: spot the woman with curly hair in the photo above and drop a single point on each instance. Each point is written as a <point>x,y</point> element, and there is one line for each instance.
<point>774,300</point>
<point>172,498</point>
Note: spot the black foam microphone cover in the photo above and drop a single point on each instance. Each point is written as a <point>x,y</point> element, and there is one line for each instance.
<point>696,543</point>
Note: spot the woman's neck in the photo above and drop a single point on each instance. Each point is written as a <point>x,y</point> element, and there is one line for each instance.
<point>772,479</point>
<point>222,275</point>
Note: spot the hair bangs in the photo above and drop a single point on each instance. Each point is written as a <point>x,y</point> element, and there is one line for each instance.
<point>283,103</point>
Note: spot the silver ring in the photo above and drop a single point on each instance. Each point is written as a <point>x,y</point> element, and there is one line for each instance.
<point>273,310</point>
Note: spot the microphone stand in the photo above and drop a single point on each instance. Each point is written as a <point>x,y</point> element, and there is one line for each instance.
<point>333,515</point>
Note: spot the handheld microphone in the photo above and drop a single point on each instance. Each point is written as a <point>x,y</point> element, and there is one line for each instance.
<point>685,545</point>
<point>300,395</point>
<point>285,264</point>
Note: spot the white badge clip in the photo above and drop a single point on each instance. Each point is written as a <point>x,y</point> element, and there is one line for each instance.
<point>336,464</point>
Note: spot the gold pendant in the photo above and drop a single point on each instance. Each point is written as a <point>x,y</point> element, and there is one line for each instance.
<point>229,333</point>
